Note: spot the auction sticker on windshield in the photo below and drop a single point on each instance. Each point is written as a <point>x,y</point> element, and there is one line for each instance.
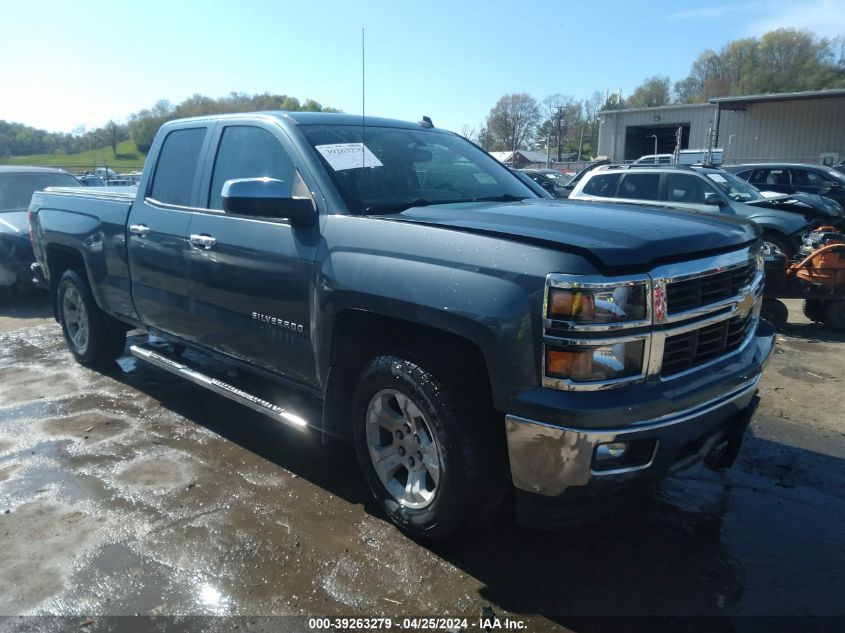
<point>717,177</point>
<point>342,156</point>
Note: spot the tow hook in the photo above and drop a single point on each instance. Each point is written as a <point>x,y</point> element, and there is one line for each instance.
<point>724,453</point>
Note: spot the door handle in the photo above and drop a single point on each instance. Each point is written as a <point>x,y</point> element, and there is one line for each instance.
<point>203,241</point>
<point>139,229</point>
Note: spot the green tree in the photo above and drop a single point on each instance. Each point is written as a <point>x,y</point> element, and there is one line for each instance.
<point>785,60</point>
<point>512,121</point>
<point>652,93</point>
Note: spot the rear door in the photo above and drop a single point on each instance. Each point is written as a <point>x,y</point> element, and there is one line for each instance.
<point>158,231</point>
<point>252,277</point>
<point>775,179</point>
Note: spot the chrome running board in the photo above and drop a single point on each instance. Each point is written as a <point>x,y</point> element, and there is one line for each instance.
<point>219,387</point>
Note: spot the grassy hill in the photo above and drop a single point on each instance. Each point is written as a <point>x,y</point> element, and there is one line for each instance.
<point>128,159</point>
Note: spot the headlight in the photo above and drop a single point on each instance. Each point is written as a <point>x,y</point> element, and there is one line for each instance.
<point>589,363</point>
<point>617,304</point>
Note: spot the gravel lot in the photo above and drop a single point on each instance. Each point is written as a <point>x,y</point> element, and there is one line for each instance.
<point>136,493</point>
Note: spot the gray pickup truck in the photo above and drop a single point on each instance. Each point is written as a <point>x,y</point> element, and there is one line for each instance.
<point>468,337</point>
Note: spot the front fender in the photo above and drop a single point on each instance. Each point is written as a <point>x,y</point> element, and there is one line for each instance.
<point>779,221</point>
<point>485,290</point>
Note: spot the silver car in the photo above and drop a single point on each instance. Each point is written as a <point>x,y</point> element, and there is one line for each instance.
<point>698,189</point>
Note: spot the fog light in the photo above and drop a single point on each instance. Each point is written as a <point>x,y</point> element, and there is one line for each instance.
<point>614,450</point>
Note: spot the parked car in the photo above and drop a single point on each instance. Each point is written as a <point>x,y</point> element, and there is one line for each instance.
<point>532,184</point>
<point>560,178</point>
<point>17,185</point>
<point>791,178</point>
<point>90,180</point>
<point>550,183</point>
<point>464,335</point>
<point>685,157</point>
<point>698,189</point>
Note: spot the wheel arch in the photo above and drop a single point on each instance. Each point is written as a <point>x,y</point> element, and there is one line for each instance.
<point>60,258</point>
<point>359,336</point>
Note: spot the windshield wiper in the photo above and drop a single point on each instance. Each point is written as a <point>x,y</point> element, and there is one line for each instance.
<point>505,197</point>
<point>398,207</point>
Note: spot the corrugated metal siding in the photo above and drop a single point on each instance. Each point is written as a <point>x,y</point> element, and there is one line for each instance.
<point>787,131</point>
<point>698,116</point>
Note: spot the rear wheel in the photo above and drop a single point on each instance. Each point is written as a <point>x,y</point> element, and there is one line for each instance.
<point>426,447</point>
<point>92,336</point>
<point>814,310</point>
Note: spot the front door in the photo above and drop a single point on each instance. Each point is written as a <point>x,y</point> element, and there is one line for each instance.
<point>251,278</point>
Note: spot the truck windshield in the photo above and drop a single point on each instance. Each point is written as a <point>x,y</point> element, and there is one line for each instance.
<point>388,170</point>
<point>735,187</point>
<point>16,189</point>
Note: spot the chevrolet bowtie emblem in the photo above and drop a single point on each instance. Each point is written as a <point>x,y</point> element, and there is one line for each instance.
<point>746,304</point>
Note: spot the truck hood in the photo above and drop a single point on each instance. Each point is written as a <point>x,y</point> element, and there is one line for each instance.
<point>610,235</point>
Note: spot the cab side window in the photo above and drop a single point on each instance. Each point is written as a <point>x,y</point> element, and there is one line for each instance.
<point>249,152</point>
<point>176,169</point>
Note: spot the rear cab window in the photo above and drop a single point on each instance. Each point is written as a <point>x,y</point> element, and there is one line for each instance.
<point>176,169</point>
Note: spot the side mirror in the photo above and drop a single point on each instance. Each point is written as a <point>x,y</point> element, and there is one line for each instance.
<point>715,201</point>
<point>266,198</point>
<point>548,186</point>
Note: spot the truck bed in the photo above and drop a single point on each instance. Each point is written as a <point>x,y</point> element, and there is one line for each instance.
<point>91,223</point>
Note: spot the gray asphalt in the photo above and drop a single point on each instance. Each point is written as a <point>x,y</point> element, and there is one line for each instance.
<point>130,492</point>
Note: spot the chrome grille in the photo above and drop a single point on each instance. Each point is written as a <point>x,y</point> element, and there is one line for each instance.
<point>688,350</point>
<point>701,291</point>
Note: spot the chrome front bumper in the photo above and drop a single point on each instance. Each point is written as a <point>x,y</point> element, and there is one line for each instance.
<point>549,460</point>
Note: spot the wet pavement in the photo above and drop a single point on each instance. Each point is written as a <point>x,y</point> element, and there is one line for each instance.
<point>131,492</point>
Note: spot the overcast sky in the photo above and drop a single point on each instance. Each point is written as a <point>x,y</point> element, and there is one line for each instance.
<point>66,64</point>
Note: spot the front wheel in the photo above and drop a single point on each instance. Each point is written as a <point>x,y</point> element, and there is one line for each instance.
<point>778,245</point>
<point>94,339</point>
<point>834,315</point>
<point>814,309</point>
<point>429,460</point>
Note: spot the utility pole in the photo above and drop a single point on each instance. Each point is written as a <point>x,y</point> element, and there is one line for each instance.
<point>581,143</point>
<point>559,117</point>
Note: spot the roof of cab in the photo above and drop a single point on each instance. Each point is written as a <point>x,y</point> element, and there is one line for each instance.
<point>316,118</point>
<point>20,169</point>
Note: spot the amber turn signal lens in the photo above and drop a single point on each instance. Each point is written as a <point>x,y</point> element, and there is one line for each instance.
<point>573,365</point>
<point>570,303</point>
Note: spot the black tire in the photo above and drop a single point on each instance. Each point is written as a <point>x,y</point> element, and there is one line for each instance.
<point>472,474</point>
<point>780,243</point>
<point>814,310</point>
<point>104,338</point>
<point>834,315</point>
<point>775,312</point>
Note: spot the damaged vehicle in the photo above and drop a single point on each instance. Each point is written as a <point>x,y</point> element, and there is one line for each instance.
<point>391,285</point>
<point>17,185</point>
<point>702,190</point>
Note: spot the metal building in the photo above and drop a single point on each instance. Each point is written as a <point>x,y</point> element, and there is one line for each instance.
<point>806,127</point>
